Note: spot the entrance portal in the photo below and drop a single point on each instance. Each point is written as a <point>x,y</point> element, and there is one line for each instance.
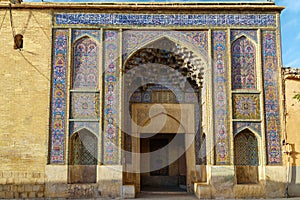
<point>163,175</point>
<point>165,159</point>
<point>162,88</point>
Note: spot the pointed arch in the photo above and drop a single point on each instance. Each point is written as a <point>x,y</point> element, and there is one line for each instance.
<point>86,35</point>
<point>247,128</point>
<point>84,128</point>
<point>83,157</point>
<point>85,63</point>
<point>245,36</point>
<point>243,58</point>
<point>246,157</point>
<point>246,148</point>
<point>164,51</point>
<point>83,148</point>
<point>174,36</point>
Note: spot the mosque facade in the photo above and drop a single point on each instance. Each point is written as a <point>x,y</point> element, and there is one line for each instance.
<point>113,99</point>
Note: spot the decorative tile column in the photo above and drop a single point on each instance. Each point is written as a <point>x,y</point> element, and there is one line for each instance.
<point>272,118</point>
<point>58,97</point>
<point>220,98</point>
<point>111,98</point>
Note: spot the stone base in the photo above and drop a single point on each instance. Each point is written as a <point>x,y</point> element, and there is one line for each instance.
<point>56,181</point>
<point>249,191</point>
<point>272,181</point>
<point>128,192</point>
<point>202,190</point>
<point>109,182</point>
<point>222,181</point>
<point>294,182</point>
<point>275,181</point>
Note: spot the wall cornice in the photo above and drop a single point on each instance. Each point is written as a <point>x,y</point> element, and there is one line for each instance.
<point>291,73</point>
<point>262,7</point>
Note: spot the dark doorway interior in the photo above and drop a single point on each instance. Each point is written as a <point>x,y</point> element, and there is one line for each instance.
<point>163,174</point>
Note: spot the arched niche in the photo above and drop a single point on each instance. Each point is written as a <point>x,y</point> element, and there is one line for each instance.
<point>83,157</point>
<point>246,158</point>
<point>85,62</point>
<point>243,62</point>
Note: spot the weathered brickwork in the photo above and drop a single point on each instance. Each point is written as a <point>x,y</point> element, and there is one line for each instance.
<point>21,184</point>
<point>24,108</point>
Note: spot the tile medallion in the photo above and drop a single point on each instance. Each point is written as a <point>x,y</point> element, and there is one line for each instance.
<point>246,106</point>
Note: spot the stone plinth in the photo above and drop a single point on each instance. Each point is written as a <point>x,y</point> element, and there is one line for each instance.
<point>110,180</point>
<point>202,190</point>
<point>56,182</point>
<point>222,181</point>
<point>128,192</point>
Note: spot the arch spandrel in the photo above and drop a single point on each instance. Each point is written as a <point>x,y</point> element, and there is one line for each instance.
<point>77,34</point>
<point>250,34</point>
<point>134,40</point>
<point>83,129</point>
<point>184,62</point>
<point>254,127</point>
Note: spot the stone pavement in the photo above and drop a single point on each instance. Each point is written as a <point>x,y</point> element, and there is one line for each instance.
<point>171,196</point>
<point>184,197</point>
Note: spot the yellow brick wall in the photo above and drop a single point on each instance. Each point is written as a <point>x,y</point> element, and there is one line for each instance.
<point>25,90</point>
<point>292,87</point>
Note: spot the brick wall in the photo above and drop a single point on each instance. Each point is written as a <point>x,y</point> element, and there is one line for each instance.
<point>24,97</point>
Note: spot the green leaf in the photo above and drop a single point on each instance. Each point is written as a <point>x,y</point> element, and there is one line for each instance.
<point>297,96</point>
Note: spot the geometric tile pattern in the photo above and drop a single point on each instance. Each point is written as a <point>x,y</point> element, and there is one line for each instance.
<point>136,39</point>
<point>84,105</point>
<point>234,34</point>
<point>245,149</point>
<point>243,64</point>
<point>220,94</point>
<point>93,127</point>
<point>84,98</point>
<point>271,92</point>
<point>79,33</point>
<point>183,20</point>
<point>111,99</point>
<point>253,126</point>
<point>246,106</point>
<point>58,99</point>
<point>85,73</point>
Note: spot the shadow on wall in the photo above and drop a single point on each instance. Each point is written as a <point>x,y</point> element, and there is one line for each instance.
<point>294,185</point>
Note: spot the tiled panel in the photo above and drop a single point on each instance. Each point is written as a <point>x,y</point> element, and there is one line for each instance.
<point>58,99</point>
<point>111,112</point>
<point>220,94</point>
<point>270,70</point>
<point>246,106</point>
<point>184,20</point>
